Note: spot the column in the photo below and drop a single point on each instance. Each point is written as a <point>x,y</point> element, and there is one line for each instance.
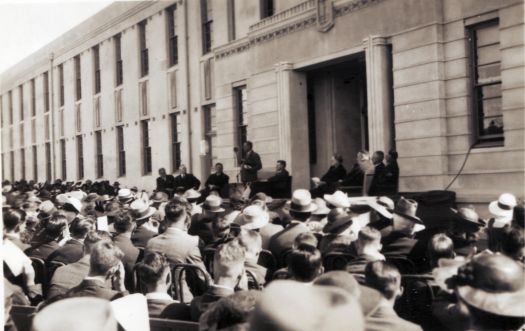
<point>379,93</point>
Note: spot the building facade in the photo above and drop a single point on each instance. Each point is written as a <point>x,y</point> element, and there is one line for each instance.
<point>144,85</point>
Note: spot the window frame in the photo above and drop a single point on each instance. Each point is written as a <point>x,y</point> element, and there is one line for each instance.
<point>78,78</point>
<point>119,73</point>
<point>147,167</point>
<point>121,151</point>
<point>99,155</point>
<point>96,67</point>
<point>143,49</point>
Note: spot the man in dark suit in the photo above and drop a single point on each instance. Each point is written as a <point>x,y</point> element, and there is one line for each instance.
<point>217,181</point>
<point>328,183</point>
<point>53,231</point>
<point>123,225</point>
<point>185,181</point>
<point>104,264</point>
<point>165,183</point>
<point>154,274</point>
<point>73,249</point>
<point>281,173</point>
<point>69,276</point>
<point>368,247</point>
<point>380,172</point>
<point>250,165</point>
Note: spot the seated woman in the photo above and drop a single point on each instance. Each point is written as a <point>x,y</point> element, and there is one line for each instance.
<point>328,183</point>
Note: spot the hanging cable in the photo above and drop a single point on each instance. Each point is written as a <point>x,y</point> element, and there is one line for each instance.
<point>460,169</point>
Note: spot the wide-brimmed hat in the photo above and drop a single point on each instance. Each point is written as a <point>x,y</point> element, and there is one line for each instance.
<point>262,197</point>
<point>79,195</point>
<point>159,197</point>
<point>212,204</point>
<point>124,194</point>
<point>407,208</point>
<point>322,209</point>
<point>104,198</point>
<point>44,194</point>
<point>73,202</point>
<point>253,217</point>
<point>302,202</point>
<point>493,283</point>
<point>140,209</point>
<point>338,199</point>
<point>467,216</point>
<point>503,206</point>
<point>383,205</point>
<point>46,209</point>
<point>337,222</point>
<point>191,194</point>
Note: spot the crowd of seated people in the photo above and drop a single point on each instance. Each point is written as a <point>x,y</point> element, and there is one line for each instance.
<point>256,264</point>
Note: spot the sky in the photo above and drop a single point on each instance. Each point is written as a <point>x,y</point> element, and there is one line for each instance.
<point>28,25</point>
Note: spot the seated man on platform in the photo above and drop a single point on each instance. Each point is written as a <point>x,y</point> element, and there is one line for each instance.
<point>217,181</point>
<point>184,181</point>
<point>281,173</point>
<point>277,186</point>
<point>330,180</point>
<point>165,182</point>
<point>154,274</point>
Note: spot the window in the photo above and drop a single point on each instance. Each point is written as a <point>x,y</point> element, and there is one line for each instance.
<point>144,61</point>
<point>241,109</point>
<point>143,98</point>
<point>267,8</point>
<point>175,143</point>
<point>61,115</point>
<point>1,114</point>
<point>173,54</point>
<point>46,127</point>
<point>21,132</point>
<point>173,89</point>
<point>12,165</point>
<point>96,65</point>
<point>48,162</point>
<point>96,110</point>
<point>207,25</point>
<point>61,83</point>
<point>100,157</point>
<point>33,131</point>
<point>10,100</point>
<point>23,163</point>
<point>486,81</point>
<point>78,79</point>
<point>121,152</point>
<point>210,131</point>
<point>64,158</point>
<point>35,163</point>
<point>231,19</point>
<point>46,91</point>
<point>80,157</point>
<point>3,165</point>
<point>118,60</point>
<point>118,105</point>
<point>207,79</point>
<point>78,117</point>
<point>146,148</point>
<point>33,98</point>
<point>21,99</point>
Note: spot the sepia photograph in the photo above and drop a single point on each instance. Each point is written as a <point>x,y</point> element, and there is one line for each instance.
<point>262,165</point>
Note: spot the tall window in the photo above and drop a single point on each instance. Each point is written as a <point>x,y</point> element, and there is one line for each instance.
<point>267,8</point>
<point>241,114</point>
<point>173,54</point>
<point>118,105</point>
<point>230,7</point>
<point>61,83</point>
<point>21,132</point>
<point>175,143</point>
<point>100,156</point>
<point>21,99</point>
<point>486,80</point>
<point>48,162</point>
<point>78,79</point>
<point>1,116</point>
<point>143,86</point>
<point>64,158</point>
<point>144,61</point>
<point>146,148</point>
<point>33,131</point>
<point>33,98</point>
<point>46,91</point>
<point>35,163</point>
<point>118,60</point>
<point>207,25</point>
<point>80,157</point>
<point>12,165</point>
<point>10,105</point>
<point>23,163</point>
<point>96,66</point>
<point>121,151</point>
<point>210,132</point>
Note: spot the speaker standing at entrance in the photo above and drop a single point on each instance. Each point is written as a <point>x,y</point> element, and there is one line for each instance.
<point>250,165</point>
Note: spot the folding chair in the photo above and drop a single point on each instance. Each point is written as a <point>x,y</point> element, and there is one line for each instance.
<point>40,270</point>
<point>267,260</point>
<point>253,284</point>
<point>189,274</point>
<point>207,257</point>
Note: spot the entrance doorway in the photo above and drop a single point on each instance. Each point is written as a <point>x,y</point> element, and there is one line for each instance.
<point>337,112</point>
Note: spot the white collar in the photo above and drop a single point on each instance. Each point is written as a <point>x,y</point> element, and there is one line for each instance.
<point>159,296</point>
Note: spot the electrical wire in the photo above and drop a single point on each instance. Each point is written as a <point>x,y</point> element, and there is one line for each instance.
<point>460,169</point>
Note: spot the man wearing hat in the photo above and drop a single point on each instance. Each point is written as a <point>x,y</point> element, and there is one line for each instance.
<point>201,224</point>
<point>125,196</point>
<point>193,196</point>
<point>141,212</point>
<point>301,207</point>
<point>397,239</point>
<point>337,232</point>
<point>218,181</point>
<point>165,182</point>
<point>184,181</point>
<point>465,231</point>
<point>502,211</point>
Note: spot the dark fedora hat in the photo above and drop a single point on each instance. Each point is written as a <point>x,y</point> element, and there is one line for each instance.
<point>407,208</point>
<point>338,222</point>
<point>468,216</point>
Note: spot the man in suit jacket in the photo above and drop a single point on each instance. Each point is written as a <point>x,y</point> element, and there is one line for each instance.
<point>251,164</point>
<point>104,263</point>
<point>13,219</point>
<point>185,181</point>
<point>368,247</point>
<point>52,234</point>
<point>73,249</point>
<point>217,181</point>
<point>123,225</point>
<point>380,173</point>
<point>175,242</point>
<point>165,183</point>
<point>281,174</point>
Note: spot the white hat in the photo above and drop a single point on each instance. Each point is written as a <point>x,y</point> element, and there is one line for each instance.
<point>302,202</point>
<point>338,199</point>
<point>503,207</point>
<point>61,198</point>
<point>191,194</point>
<point>74,202</point>
<point>79,195</point>
<point>383,205</point>
<point>140,209</point>
<point>253,217</point>
<point>125,194</point>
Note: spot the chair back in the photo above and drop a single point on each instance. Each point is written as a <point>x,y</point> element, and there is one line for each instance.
<point>192,277</point>
<point>207,257</point>
<point>253,284</point>
<point>141,254</point>
<point>267,260</point>
<point>161,324</point>
<point>416,302</point>
<point>336,261</point>
<point>40,270</point>
<point>22,317</point>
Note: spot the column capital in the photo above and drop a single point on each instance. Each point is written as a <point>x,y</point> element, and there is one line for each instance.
<point>374,40</point>
<point>281,66</point>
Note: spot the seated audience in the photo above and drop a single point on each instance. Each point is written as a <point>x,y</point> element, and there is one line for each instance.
<point>281,174</point>
<point>465,231</point>
<point>105,267</point>
<point>305,264</point>
<point>201,224</point>
<point>251,241</point>
<point>73,249</point>
<point>228,274</point>
<point>368,247</point>
<point>518,215</point>
<point>222,228</point>
<point>53,233</point>
<point>386,279</point>
<point>356,175</point>
<point>513,243</point>
<point>141,213</point>
<point>14,223</point>
<point>337,232</point>
<point>439,247</point>
<point>154,274</point>
<point>68,276</point>
<point>124,225</point>
<point>230,313</point>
